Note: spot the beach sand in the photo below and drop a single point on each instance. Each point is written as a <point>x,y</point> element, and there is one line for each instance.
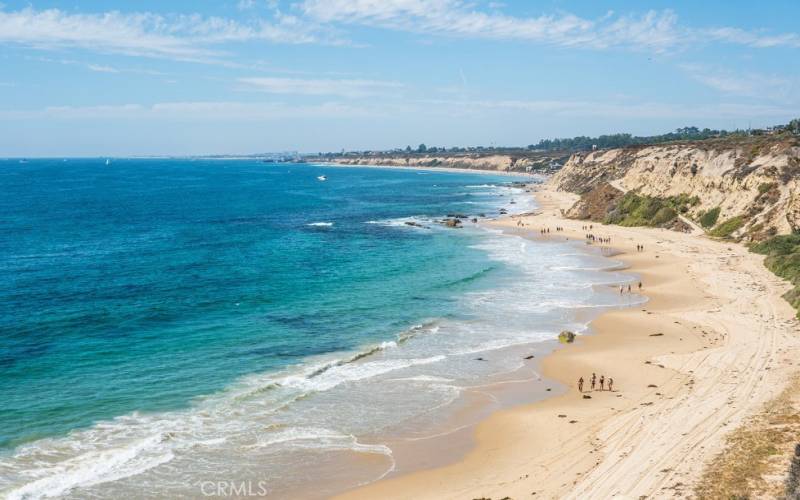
<point>712,345</point>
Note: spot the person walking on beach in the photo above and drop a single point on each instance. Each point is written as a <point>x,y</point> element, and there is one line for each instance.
<point>640,286</point>
<point>610,384</point>
<point>602,381</point>
<point>580,384</point>
<point>629,288</point>
<point>620,289</point>
<point>594,380</point>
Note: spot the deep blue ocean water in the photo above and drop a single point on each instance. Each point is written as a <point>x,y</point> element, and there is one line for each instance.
<point>167,322</point>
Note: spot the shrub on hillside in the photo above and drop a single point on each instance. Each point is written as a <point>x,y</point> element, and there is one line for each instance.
<point>637,210</point>
<point>783,259</point>
<point>709,218</point>
<point>664,215</point>
<point>766,186</point>
<point>725,229</point>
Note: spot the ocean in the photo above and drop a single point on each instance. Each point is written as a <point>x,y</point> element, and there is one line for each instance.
<point>168,326</point>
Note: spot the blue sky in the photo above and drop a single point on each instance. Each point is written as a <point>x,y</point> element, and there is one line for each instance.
<point>244,76</point>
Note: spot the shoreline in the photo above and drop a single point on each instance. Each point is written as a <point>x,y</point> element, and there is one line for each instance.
<point>710,347</point>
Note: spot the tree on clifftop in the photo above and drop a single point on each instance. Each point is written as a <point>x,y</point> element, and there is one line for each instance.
<point>422,148</point>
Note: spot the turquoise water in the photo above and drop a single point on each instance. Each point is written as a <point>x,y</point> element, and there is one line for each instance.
<point>164,318</point>
<point>140,285</point>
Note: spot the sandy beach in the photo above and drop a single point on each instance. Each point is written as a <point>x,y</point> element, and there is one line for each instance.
<point>712,345</point>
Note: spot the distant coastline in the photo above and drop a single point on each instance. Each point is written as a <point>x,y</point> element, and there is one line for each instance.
<point>526,175</point>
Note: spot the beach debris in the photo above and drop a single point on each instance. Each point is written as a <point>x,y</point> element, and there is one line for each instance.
<point>474,220</point>
<point>562,416</point>
<point>652,385</point>
<point>656,334</point>
<point>452,222</point>
<point>548,389</point>
<point>530,357</point>
<point>573,421</point>
<point>566,337</point>
<point>586,396</point>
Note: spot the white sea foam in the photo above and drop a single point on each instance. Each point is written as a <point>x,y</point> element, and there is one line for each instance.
<point>95,467</point>
<point>410,223</point>
<point>316,438</point>
<point>320,224</point>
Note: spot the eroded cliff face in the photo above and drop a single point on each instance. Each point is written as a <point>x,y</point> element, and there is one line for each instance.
<point>755,178</point>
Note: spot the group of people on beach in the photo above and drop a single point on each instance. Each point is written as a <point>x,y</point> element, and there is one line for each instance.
<point>520,223</point>
<point>622,288</point>
<point>592,238</point>
<point>546,230</point>
<point>593,381</point>
<point>640,248</point>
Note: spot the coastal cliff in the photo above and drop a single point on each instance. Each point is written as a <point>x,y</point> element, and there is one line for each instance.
<point>749,184</point>
<point>522,162</point>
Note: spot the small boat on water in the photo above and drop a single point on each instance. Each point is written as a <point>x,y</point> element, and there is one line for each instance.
<point>108,162</point>
<point>322,178</point>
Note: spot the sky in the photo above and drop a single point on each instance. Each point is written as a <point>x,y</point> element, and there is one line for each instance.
<point>103,78</point>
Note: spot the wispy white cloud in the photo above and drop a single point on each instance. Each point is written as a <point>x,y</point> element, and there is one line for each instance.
<point>753,38</point>
<point>653,30</point>
<point>246,4</point>
<point>266,111</point>
<point>98,68</point>
<point>182,37</point>
<point>318,87</point>
<point>102,68</point>
<point>747,84</point>
<point>194,110</point>
<point>609,109</point>
<point>133,34</point>
<point>195,37</point>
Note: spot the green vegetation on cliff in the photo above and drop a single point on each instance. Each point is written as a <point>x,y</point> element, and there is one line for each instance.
<point>637,210</point>
<point>584,143</point>
<point>783,259</point>
<point>725,229</point>
<point>708,219</point>
<point>622,140</point>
